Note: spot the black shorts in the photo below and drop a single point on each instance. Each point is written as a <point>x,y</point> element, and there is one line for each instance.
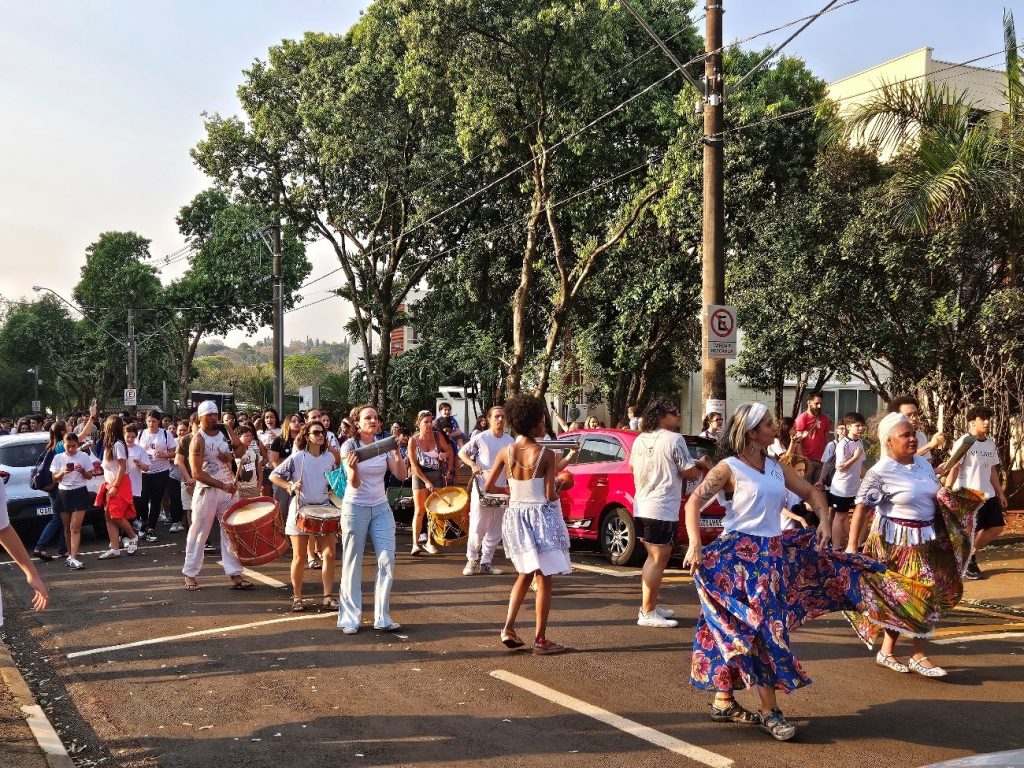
<point>990,515</point>
<point>75,500</point>
<point>433,475</point>
<point>657,533</point>
<point>840,503</point>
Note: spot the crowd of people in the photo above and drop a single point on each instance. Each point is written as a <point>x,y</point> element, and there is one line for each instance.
<point>809,526</point>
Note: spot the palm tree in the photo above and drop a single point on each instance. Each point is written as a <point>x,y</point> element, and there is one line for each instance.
<point>953,164</point>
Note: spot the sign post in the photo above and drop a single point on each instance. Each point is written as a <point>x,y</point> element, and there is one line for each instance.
<point>37,406</point>
<point>721,330</point>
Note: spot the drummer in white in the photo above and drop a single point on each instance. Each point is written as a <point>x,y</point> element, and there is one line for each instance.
<point>485,512</point>
<point>210,455</point>
<point>304,475</point>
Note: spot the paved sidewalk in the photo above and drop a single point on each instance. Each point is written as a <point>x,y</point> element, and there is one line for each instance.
<point>18,746</point>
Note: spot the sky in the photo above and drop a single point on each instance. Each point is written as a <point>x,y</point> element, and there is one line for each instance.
<point>102,101</point>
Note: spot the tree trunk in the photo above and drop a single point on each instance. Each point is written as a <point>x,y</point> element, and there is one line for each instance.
<point>520,299</point>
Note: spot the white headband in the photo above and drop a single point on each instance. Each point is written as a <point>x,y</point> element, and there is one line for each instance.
<point>886,427</point>
<point>207,407</point>
<point>754,415</point>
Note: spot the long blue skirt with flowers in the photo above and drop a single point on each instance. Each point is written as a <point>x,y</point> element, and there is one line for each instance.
<point>754,590</point>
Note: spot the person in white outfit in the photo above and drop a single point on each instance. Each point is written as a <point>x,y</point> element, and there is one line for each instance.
<point>365,512</point>
<point>485,512</point>
<point>210,456</point>
<point>10,541</point>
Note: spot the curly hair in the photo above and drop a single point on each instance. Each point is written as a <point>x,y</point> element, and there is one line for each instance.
<point>302,438</point>
<point>658,410</point>
<point>524,413</point>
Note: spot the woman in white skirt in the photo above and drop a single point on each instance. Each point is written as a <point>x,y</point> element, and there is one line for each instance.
<point>536,539</point>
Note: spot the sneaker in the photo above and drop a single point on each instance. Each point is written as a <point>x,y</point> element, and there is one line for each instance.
<point>137,524</point>
<point>164,518</point>
<point>349,630</point>
<point>472,568</point>
<point>422,538</point>
<point>176,528</point>
<point>75,564</point>
<point>430,549</point>
<point>151,535</point>
<point>665,613</point>
<point>416,550</point>
<point>208,548</point>
<point>652,619</point>
<point>973,572</point>
<point>486,569</point>
<point>110,554</point>
<point>132,546</point>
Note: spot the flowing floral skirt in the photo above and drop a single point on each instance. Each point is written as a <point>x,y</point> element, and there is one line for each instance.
<point>755,590</point>
<point>933,563</point>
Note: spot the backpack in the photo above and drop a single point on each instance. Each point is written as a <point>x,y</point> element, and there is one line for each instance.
<point>41,478</point>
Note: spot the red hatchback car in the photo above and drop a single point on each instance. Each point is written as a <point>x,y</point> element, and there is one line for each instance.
<point>599,506</point>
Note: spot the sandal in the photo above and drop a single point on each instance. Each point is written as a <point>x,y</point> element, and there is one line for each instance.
<point>775,724</point>
<point>889,661</point>
<point>297,605</point>
<point>921,669</point>
<point>330,601</point>
<point>734,713</point>
<point>42,554</point>
<point>313,563</point>
<point>544,647</point>
<point>191,585</point>
<point>511,640</point>
<point>242,584</point>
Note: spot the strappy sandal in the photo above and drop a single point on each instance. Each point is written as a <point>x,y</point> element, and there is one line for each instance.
<point>330,601</point>
<point>889,661</point>
<point>298,606</point>
<point>191,585</point>
<point>921,669</point>
<point>545,647</point>
<point>241,584</point>
<point>314,563</point>
<point>776,725</point>
<point>734,713</point>
<point>511,640</point>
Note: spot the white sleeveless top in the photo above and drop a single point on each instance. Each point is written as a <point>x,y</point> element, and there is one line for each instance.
<point>526,491</point>
<point>757,498</point>
<point>214,446</point>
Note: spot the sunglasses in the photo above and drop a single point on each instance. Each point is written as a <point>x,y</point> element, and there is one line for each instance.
<point>316,433</point>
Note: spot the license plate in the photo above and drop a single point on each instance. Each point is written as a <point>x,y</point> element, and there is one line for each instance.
<point>710,522</point>
<point>44,511</point>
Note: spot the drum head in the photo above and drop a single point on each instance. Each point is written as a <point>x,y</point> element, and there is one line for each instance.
<point>447,501</point>
<point>250,511</point>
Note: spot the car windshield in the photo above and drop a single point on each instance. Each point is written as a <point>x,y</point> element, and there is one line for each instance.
<point>599,449</point>
<point>21,454</point>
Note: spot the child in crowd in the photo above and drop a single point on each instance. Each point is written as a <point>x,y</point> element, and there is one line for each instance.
<point>138,462</point>
<point>846,480</point>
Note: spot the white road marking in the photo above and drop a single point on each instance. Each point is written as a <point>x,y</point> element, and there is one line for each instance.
<point>141,551</point>
<point>659,739</point>
<point>46,736</point>
<point>255,576</point>
<point>199,633</point>
<point>967,638</point>
<point>603,570</point>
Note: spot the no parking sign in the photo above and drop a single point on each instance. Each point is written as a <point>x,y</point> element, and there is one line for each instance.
<point>721,331</point>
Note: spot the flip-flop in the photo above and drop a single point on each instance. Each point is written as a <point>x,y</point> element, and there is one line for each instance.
<point>243,584</point>
<point>191,586</point>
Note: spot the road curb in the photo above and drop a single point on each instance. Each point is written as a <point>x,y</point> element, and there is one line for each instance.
<point>42,729</point>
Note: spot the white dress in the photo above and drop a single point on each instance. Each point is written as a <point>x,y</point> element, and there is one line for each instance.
<point>534,532</point>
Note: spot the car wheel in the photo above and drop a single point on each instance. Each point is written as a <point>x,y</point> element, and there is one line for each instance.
<point>618,538</point>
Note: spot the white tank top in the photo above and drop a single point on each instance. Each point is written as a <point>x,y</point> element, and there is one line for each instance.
<point>530,491</point>
<point>214,446</point>
<point>757,498</point>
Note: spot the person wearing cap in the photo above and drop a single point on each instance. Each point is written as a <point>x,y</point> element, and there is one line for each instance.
<point>210,457</point>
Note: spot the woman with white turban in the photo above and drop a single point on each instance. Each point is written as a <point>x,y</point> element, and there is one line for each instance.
<point>903,490</point>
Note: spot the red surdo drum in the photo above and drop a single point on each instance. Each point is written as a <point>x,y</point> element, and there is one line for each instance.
<point>255,531</point>
<point>318,519</point>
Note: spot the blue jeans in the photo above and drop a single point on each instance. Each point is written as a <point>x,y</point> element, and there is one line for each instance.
<point>54,530</point>
<point>356,522</point>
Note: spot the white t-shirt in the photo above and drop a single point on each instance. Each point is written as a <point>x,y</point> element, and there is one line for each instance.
<point>757,499</point>
<point>311,471</point>
<point>150,443</point>
<point>922,441</point>
<point>110,466</point>
<point>846,482</point>
<point>135,453</point>
<point>74,479</point>
<point>788,523</point>
<point>903,491</point>
<point>266,436</point>
<point>976,466</point>
<point>371,491</point>
<point>657,459</point>
<point>483,448</point>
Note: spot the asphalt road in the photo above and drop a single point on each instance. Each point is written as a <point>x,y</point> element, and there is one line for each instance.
<point>291,690</point>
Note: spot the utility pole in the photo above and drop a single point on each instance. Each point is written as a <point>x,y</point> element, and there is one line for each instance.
<point>35,383</point>
<point>278,315</point>
<point>133,356</point>
<point>713,371</point>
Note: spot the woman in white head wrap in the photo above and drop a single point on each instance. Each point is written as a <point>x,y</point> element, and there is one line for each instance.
<point>744,567</point>
<point>902,489</point>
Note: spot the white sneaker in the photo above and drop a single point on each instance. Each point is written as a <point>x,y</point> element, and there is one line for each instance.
<point>75,565</point>
<point>652,619</point>
<point>487,569</point>
<point>132,545</point>
<point>665,613</point>
<point>110,554</point>
<point>422,538</point>
<point>349,630</point>
<point>176,528</point>
<point>430,549</point>
<point>472,568</point>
